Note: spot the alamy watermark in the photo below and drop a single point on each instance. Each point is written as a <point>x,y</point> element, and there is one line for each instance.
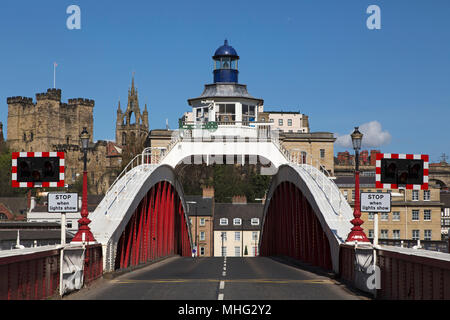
<point>374,280</point>
<point>373,22</point>
<point>74,20</point>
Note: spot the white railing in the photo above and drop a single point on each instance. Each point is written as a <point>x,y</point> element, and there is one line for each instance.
<point>149,156</point>
<point>328,187</point>
<point>319,174</point>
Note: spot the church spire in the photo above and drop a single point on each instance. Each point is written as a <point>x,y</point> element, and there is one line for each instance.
<point>132,84</point>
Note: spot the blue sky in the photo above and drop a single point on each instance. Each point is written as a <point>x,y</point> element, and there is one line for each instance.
<point>317,57</point>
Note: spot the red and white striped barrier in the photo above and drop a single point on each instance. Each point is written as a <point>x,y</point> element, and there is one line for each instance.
<point>380,156</point>
<point>17,184</point>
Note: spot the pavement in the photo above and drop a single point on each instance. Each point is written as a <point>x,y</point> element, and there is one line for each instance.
<point>218,278</point>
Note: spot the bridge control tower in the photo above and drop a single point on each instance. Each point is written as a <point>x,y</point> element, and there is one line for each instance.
<point>225,101</point>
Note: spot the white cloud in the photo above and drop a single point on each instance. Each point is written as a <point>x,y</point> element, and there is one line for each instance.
<point>373,136</point>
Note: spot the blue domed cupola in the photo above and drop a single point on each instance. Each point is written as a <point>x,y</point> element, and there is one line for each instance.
<point>225,64</point>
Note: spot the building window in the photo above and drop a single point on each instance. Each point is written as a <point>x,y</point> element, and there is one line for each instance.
<point>3,216</point>
<point>237,236</point>
<point>248,114</point>
<point>237,251</point>
<point>224,236</point>
<point>370,216</point>
<point>322,153</point>
<point>370,235</point>
<point>223,221</point>
<point>427,234</point>
<point>69,225</point>
<point>426,195</point>
<point>202,251</point>
<point>280,122</point>
<point>416,234</point>
<point>396,234</point>
<point>224,251</point>
<point>396,216</point>
<point>290,122</point>
<point>237,221</point>
<point>255,221</point>
<point>427,215</point>
<point>227,113</point>
<point>384,216</point>
<point>415,215</point>
<point>202,235</point>
<point>415,195</point>
<point>202,221</point>
<point>271,120</point>
<point>384,234</point>
<point>353,195</point>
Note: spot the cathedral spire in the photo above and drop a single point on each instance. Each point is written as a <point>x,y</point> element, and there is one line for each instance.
<point>132,84</point>
<point>119,110</point>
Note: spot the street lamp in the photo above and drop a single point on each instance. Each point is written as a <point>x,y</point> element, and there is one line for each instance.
<point>84,233</point>
<point>357,233</point>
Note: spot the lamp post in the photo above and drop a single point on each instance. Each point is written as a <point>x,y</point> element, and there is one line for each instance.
<point>222,235</point>
<point>357,233</point>
<point>84,233</point>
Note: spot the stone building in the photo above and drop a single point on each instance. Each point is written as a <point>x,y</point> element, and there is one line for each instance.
<point>52,125</point>
<point>415,214</point>
<point>201,216</point>
<point>237,227</point>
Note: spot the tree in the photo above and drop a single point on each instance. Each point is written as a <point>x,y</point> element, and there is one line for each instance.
<point>245,251</point>
<point>6,189</point>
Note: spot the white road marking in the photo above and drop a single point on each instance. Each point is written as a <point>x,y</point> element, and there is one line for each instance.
<point>224,273</point>
<point>220,297</point>
<point>222,285</point>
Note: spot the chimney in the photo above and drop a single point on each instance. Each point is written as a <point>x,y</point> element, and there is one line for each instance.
<point>373,156</point>
<point>239,200</point>
<point>208,192</point>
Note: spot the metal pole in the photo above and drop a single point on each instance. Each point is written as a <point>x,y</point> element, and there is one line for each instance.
<point>196,246</point>
<point>375,224</point>
<point>242,238</point>
<point>61,257</point>
<point>222,244</point>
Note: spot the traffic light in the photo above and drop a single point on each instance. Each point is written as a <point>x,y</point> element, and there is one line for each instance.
<point>402,171</point>
<point>38,169</point>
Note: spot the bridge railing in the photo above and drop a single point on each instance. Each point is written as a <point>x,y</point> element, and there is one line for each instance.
<point>403,273</point>
<point>34,273</point>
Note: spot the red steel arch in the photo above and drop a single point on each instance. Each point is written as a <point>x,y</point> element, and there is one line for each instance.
<point>292,229</point>
<point>157,229</point>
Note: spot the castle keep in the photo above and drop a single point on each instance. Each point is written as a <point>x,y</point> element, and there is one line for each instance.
<point>52,125</point>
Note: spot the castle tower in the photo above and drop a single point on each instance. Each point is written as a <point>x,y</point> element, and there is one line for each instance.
<point>131,125</point>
